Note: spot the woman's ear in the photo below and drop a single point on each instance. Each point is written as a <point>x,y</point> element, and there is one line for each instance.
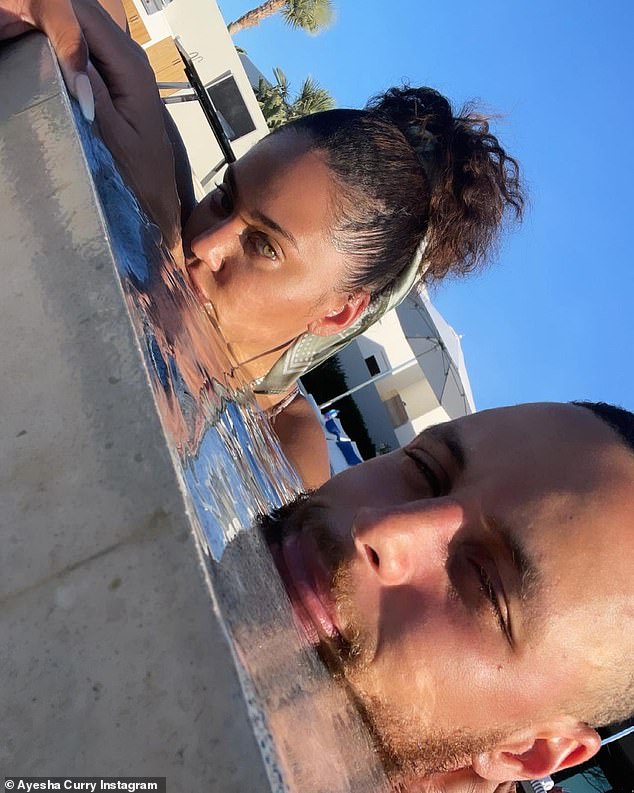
<point>340,318</point>
<point>540,754</point>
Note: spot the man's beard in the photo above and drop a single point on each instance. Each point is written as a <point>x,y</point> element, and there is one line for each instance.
<point>408,749</point>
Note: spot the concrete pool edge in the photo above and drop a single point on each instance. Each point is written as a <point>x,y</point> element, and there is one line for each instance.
<point>114,662</point>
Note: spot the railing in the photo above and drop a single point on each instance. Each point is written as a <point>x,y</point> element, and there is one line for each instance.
<point>199,94</point>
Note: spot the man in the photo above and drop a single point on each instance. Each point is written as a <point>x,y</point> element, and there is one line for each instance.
<point>474,590</point>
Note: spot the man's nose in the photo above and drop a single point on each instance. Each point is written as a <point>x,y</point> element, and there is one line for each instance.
<point>215,244</point>
<point>406,542</point>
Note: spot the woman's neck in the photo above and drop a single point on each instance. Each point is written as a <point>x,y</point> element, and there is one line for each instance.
<point>251,364</point>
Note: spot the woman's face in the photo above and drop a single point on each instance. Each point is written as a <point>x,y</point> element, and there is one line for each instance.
<point>259,249</point>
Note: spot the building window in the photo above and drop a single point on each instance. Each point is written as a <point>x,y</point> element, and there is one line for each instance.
<point>152,6</point>
<point>231,108</point>
<point>373,365</point>
<point>396,411</point>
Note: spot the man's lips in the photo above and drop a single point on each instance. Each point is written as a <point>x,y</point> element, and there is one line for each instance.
<point>308,586</point>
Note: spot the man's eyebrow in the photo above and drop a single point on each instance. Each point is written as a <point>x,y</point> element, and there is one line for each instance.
<point>449,436</point>
<point>255,213</point>
<point>527,573</point>
<point>526,570</point>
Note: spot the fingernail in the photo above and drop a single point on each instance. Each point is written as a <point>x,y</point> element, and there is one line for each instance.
<point>83,92</point>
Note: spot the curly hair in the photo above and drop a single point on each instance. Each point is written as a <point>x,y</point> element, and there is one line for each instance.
<point>407,168</point>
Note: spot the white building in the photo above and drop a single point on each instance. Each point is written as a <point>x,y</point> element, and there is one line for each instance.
<point>409,373</point>
<point>203,32</point>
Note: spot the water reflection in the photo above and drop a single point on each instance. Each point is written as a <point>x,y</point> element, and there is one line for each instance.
<point>230,468</point>
<point>224,450</point>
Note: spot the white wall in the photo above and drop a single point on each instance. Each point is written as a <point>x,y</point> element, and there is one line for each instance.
<point>156,24</point>
<point>411,332</point>
<point>203,32</point>
<point>389,334</point>
<point>202,29</point>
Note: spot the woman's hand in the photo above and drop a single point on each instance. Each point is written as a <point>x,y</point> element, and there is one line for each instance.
<point>98,58</point>
<point>130,116</point>
<point>57,19</point>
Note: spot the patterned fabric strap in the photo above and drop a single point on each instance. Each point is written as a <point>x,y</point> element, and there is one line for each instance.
<point>308,350</point>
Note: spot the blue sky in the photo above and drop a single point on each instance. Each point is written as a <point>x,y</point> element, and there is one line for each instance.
<point>553,317</point>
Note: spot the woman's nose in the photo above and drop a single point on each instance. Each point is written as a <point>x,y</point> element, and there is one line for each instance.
<point>215,244</point>
<point>405,543</point>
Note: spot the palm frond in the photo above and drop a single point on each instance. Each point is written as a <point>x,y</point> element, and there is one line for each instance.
<point>312,98</point>
<point>310,15</point>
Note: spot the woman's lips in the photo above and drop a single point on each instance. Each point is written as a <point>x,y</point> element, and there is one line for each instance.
<point>308,587</point>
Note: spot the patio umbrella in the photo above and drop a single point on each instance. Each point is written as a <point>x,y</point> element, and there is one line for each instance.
<point>437,350</point>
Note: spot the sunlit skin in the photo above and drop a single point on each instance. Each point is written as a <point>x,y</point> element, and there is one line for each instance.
<point>486,564</point>
<point>259,248</point>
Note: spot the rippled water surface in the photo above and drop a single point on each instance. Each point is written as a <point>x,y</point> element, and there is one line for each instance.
<point>231,469</point>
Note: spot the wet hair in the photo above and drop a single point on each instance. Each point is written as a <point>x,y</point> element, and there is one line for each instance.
<point>407,168</point>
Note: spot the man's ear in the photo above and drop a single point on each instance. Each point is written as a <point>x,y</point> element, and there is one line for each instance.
<point>340,318</point>
<point>540,754</point>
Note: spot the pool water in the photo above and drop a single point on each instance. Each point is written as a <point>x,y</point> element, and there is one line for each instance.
<point>231,469</point>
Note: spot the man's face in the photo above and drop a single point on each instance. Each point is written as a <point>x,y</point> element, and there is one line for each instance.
<point>465,585</point>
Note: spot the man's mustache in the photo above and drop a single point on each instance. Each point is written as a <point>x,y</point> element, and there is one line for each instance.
<point>282,521</point>
<point>340,653</point>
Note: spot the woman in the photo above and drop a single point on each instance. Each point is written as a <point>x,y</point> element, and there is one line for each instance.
<point>317,230</point>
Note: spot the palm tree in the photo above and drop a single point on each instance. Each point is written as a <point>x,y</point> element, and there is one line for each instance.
<point>277,105</point>
<point>312,98</point>
<point>309,15</point>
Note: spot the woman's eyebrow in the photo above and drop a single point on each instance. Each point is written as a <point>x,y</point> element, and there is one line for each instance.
<point>266,221</point>
<point>255,213</point>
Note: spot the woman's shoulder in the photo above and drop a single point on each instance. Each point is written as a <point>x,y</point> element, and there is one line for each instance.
<point>302,439</point>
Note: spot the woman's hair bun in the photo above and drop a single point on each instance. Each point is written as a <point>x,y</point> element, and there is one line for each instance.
<point>423,116</point>
<point>407,169</point>
<point>473,183</point>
